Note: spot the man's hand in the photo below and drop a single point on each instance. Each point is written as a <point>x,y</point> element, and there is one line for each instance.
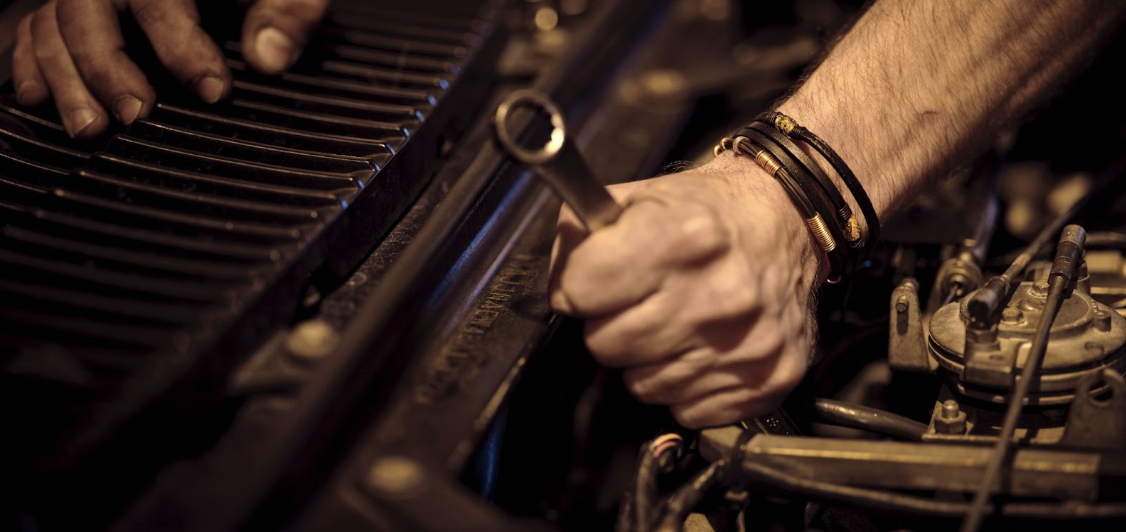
<point>73,50</point>
<point>701,289</point>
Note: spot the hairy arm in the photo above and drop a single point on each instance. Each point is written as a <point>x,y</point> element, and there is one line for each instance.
<point>701,290</point>
<point>916,86</point>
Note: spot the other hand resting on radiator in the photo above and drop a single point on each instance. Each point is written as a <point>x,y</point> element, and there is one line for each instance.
<point>73,50</point>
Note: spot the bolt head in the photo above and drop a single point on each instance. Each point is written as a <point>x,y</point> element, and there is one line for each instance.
<point>396,477</point>
<point>950,419</point>
<point>950,409</point>
<point>1039,288</point>
<point>1012,315</point>
<point>902,304</point>
<point>312,340</point>
<point>1102,320</point>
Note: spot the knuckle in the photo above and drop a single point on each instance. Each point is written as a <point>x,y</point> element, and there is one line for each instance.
<point>647,391</point>
<point>771,340</point>
<point>697,234</point>
<point>149,12</point>
<point>740,298</point>
<point>688,418</point>
<point>303,10</point>
<point>94,72</point>
<point>606,348</point>
<point>291,15</point>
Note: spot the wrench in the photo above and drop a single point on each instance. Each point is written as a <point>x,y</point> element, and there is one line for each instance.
<point>559,162</point>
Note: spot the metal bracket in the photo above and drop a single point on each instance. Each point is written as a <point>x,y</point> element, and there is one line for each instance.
<point>1096,417</point>
<point>907,347</point>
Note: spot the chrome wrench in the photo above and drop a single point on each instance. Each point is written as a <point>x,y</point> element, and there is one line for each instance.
<point>558,162</point>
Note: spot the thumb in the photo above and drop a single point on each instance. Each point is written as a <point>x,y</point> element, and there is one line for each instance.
<point>275,32</point>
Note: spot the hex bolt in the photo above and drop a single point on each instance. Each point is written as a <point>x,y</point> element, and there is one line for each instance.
<point>1039,288</point>
<point>396,477</point>
<point>902,303</point>
<point>311,341</point>
<point>950,419</point>
<point>1011,315</point>
<point>1102,320</point>
<point>950,409</point>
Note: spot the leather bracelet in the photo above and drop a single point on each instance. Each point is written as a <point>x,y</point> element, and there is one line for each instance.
<point>850,228</point>
<point>824,227</point>
<point>771,158</point>
<point>791,128</point>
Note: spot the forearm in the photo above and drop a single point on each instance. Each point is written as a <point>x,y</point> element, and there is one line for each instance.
<point>916,85</point>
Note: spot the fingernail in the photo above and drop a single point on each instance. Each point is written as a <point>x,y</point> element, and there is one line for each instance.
<point>127,108</point>
<point>79,120</point>
<point>211,89</point>
<point>275,49</point>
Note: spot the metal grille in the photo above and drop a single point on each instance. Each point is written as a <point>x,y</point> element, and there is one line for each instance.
<point>168,251</point>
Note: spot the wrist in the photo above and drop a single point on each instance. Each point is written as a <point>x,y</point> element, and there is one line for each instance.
<point>773,215</point>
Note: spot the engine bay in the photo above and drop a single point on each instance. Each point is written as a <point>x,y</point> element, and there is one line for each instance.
<point>417,379</point>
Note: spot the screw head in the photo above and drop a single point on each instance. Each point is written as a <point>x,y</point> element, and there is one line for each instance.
<point>902,304</point>
<point>950,409</point>
<point>1102,320</point>
<point>1039,288</point>
<point>950,418</point>
<point>396,477</point>
<point>311,341</point>
<point>1011,315</point>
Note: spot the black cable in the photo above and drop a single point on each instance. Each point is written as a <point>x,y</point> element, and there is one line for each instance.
<point>686,497</point>
<point>1106,239</point>
<point>985,303</point>
<point>645,489</point>
<point>868,419</point>
<point>889,501</point>
<point>861,497</point>
<point>1068,254</point>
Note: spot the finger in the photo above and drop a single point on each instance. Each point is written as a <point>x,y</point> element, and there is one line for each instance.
<point>725,407</point>
<point>755,390</point>
<point>31,86</point>
<point>172,27</point>
<point>622,264</point>
<point>276,31</point>
<point>754,361</point>
<point>645,333</point>
<point>82,115</point>
<point>93,36</point>
<point>704,372</point>
<point>569,233</point>
<point>716,303</point>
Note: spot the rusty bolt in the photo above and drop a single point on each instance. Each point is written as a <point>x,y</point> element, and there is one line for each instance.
<point>902,304</point>
<point>311,341</point>
<point>1039,288</point>
<point>1102,320</point>
<point>1012,315</point>
<point>396,477</point>
<point>950,419</point>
